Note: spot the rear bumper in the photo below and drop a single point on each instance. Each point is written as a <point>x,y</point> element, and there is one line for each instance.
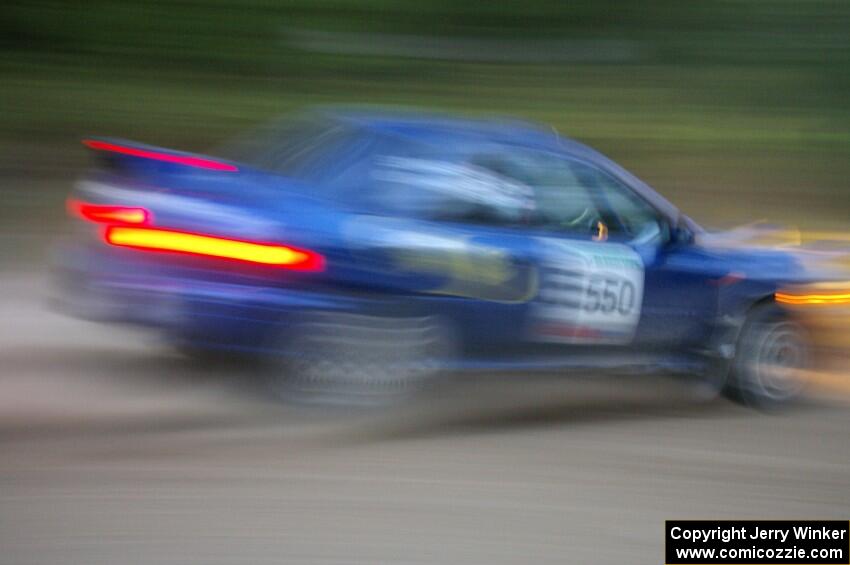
<point>105,286</point>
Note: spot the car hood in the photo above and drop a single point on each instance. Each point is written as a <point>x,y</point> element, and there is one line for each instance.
<point>770,251</point>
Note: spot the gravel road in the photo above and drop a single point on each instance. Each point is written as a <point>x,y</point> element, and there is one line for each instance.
<point>115,450</point>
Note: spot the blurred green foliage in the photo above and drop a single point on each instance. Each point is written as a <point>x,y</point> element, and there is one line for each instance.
<point>698,97</point>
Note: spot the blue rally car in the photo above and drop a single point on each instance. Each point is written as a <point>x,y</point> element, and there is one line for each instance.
<point>362,250</point>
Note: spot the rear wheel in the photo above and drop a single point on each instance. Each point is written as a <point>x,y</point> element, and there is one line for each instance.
<point>208,356</point>
<point>771,355</point>
<point>357,359</point>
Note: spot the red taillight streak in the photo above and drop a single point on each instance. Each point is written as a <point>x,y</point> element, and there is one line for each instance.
<point>197,162</point>
<point>204,245</point>
<point>107,214</point>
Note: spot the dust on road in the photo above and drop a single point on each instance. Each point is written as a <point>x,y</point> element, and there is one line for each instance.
<point>115,450</point>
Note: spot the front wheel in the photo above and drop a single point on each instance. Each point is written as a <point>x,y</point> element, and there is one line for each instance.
<point>771,355</point>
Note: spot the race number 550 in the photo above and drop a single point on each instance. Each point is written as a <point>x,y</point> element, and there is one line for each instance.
<point>609,295</point>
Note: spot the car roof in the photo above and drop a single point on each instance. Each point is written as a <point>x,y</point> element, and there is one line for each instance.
<point>433,127</point>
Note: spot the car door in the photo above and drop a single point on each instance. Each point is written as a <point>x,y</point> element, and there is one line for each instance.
<point>590,286</point>
<point>448,235</point>
<point>678,299</point>
<point>608,273</point>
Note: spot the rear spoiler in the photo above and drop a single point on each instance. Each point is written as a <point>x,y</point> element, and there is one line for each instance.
<point>120,153</point>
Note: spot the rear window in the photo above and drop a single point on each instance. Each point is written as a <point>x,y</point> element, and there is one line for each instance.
<point>290,148</point>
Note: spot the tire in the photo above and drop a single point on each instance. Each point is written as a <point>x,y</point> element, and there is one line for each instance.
<point>358,360</point>
<point>771,353</point>
<point>207,356</point>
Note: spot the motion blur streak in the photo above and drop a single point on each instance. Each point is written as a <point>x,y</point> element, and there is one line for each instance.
<point>200,422</point>
<point>109,214</point>
<point>800,299</point>
<point>197,244</point>
<point>196,162</point>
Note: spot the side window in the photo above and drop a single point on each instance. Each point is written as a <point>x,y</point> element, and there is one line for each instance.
<point>445,190</point>
<point>520,188</point>
<point>576,198</point>
<point>627,214</point>
<point>564,199</point>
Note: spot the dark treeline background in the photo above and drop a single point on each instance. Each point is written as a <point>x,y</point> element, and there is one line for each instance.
<point>742,102</point>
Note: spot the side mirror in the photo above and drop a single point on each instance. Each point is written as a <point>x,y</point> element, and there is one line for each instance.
<point>680,234</point>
